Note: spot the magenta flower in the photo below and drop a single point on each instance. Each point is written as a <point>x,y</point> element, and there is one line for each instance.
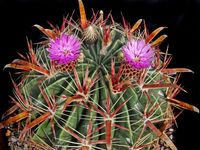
<point>138,54</point>
<point>64,49</point>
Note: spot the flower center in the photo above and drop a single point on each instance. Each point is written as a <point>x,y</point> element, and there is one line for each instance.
<point>137,59</point>
<point>66,52</point>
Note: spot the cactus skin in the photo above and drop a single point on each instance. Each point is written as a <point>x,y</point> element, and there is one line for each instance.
<point>98,101</point>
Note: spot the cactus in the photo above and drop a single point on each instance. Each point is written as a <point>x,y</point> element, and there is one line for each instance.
<point>95,84</point>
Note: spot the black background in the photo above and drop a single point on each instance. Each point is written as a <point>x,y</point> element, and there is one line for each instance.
<point>181,17</point>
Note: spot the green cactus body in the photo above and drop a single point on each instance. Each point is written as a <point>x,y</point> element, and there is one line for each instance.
<point>97,101</point>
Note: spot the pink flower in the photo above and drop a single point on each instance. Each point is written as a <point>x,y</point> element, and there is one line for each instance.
<point>64,49</point>
<point>138,54</point>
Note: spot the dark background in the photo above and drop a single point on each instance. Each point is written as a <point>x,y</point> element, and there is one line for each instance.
<point>181,17</point>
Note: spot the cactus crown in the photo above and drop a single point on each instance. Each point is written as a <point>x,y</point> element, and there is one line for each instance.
<point>95,85</point>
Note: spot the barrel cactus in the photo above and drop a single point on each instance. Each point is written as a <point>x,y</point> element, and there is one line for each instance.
<point>95,84</point>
